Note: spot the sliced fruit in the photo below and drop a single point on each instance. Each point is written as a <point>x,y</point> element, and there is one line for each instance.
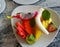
<point>19,24</point>
<point>46,14</point>
<point>49,21</point>
<point>44,24</point>
<point>37,34</point>
<point>21,32</point>
<point>51,28</point>
<point>30,39</point>
<point>27,26</point>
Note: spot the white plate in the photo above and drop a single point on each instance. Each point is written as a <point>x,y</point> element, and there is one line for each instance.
<point>2,5</point>
<point>44,40</point>
<point>25,1</point>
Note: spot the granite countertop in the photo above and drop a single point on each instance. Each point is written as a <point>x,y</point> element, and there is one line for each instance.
<point>7,38</point>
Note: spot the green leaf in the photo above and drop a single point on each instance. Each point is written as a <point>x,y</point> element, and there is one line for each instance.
<point>45,14</point>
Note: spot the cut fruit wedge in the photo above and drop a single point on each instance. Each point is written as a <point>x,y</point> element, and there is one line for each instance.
<point>38,21</point>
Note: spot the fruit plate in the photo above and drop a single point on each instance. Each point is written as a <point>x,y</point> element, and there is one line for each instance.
<point>25,1</point>
<point>44,40</point>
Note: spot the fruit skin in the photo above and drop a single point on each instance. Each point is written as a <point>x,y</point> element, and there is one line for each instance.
<point>31,37</point>
<point>51,28</point>
<point>45,14</point>
<point>30,41</point>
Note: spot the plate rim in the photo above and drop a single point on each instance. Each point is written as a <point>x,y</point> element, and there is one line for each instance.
<point>26,3</point>
<point>4,7</point>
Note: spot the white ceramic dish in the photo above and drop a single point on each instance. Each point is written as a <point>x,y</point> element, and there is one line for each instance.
<point>44,40</point>
<point>25,1</point>
<point>2,5</point>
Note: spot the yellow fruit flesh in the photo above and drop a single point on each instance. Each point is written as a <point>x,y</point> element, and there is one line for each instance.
<point>38,33</point>
<point>46,22</point>
<point>49,21</point>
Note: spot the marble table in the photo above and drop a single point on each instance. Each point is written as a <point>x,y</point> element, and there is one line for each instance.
<point>7,38</point>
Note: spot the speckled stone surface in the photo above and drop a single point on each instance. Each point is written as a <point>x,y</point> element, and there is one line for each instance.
<point>7,38</point>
